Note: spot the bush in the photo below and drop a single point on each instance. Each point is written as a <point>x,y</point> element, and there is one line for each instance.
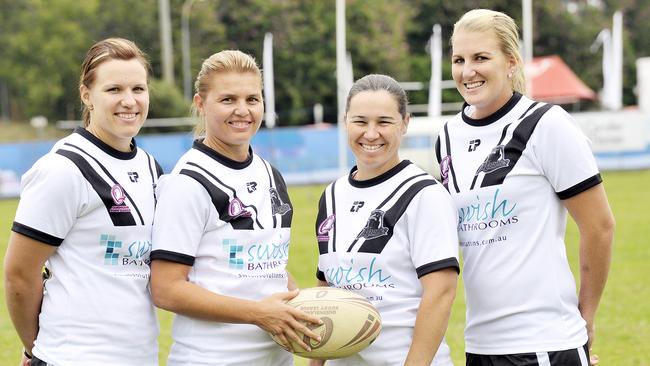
<point>166,101</point>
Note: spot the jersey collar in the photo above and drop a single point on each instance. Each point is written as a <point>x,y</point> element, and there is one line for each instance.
<point>106,148</point>
<point>222,159</point>
<point>494,116</point>
<point>378,179</point>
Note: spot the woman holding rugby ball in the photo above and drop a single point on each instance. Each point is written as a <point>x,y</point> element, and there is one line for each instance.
<point>387,231</point>
<point>221,233</point>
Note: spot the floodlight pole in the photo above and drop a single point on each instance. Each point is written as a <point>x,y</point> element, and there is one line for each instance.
<point>166,41</point>
<point>185,36</point>
<point>527,8</point>
<point>341,83</point>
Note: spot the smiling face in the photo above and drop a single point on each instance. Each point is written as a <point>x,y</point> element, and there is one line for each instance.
<point>482,71</point>
<point>118,100</point>
<point>375,129</point>
<point>233,109</point>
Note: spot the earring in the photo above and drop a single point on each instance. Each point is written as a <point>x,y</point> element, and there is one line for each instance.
<point>90,107</point>
<point>510,76</point>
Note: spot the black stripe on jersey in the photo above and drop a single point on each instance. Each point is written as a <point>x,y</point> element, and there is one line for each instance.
<point>321,216</point>
<point>391,217</point>
<point>451,163</point>
<point>221,201</point>
<point>437,150</point>
<point>580,187</point>
<point>335,221</point>
<point>172,257</point>
<point>119,218</point>
<point>437,266</point>
<point>528,109</point>
<point>266,166</point>
<point>503,136</point>
<point>36,234</point>
<point>398,188</point>
<point>320,275</point>
<point>135,206</point>
<point>383,203</point>
<point>281,188</point>
<point>234,192</point>
<point>159,169</point>
<point>515,147</point>
<point>154,179</point>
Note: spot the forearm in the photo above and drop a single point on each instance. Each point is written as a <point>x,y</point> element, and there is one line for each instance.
<point>431,321</point>
<point>24,297</point>
<point>595,259</point>
<point>186,298</point>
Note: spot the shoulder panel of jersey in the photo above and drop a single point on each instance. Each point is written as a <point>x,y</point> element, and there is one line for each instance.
<point>201,163</point>
<point>401,184</point>
<point>81,149</point>
<point>516,123</point>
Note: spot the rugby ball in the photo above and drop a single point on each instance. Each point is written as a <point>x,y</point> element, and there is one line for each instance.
<point>350,322</point>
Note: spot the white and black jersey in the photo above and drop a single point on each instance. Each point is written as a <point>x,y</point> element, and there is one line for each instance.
<point>231,222</point>
<point>507,174</point>
<point>96,205</point>
<point>377,238</point>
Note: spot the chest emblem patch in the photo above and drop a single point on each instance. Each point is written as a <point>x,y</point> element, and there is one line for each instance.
<point>374,227</point>
<point>494,161</point>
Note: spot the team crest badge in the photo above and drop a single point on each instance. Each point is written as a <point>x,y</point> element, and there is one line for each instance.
<point>277,206</point>
<point>494,161</point>
<point>445,165</point>
<point>325,227</point>
<point>236,208</point>
<point>374,227</point>
<point>119,196</point>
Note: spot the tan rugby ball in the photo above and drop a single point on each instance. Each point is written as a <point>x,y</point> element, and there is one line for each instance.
<point>350,322</point>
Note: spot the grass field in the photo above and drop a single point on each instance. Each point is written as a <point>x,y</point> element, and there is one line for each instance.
<point>623,323</point>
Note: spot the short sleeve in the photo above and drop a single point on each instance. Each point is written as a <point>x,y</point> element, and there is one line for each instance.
<point>52,196</point>
<point>564,154</point>
<point>432,227</point>
<point>182,214</point>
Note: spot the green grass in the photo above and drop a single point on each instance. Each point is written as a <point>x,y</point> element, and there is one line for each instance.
<point>623,327</point>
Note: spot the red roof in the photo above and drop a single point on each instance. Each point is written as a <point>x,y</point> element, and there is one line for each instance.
<point>553,81</point>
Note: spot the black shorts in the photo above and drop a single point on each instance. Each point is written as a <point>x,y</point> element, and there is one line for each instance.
<point>571,357</point>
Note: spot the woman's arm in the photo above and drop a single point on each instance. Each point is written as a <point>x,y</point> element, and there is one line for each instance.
<point>593,216</point>
<point>172,291</point>
<point>439,292</point>
<point>24,284</point>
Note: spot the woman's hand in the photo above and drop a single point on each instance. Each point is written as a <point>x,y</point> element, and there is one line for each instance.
<point>285,322</point>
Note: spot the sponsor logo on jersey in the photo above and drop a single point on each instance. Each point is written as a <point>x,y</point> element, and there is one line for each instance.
<point>494,161</point>
<point>473,145</point>
<point>364,273</point>
<point>445,165</point>
<point>277,206</point>
<point>117,192</point>
<point>117,253</point>
<point>256,256</point>
<point>236,208</point>
<point>485,214</point>
<point>356,206</point>
<point>133,176</point>
<point>325,227</point>
<point>374,226</point>
<point>251,187</point>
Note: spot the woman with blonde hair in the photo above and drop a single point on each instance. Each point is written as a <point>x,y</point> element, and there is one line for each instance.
<point>222,230</point>
<point>85,213</point>
<point>515,168</point>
